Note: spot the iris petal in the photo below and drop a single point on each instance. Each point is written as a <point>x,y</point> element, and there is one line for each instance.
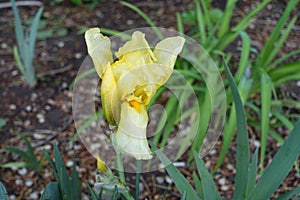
<point>109,97</point>
<point>166,51</point>
<point>131,134</point>
<point>138,44</point>
<point>99,49</point>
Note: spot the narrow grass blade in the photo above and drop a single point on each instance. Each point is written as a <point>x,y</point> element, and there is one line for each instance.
<point>252,173</point>
<point>200,22</point>
<point>76,185</point>
<point>19,152</point>
<point>283,119</point>
<point>81,76</point>
<point>205,116</point>
<point>209,188</point>
<point>3,193</point>
<point>114,32</point>
<point>52,165</point>
<point>285,73</point>
<point>266,98</point>
<point>290,194</point>
<point>92,192</point>
<point>276,32</point>
<point>14,164</point>
<point>180,181</point>
<point>227,17</point>
<point>279,44</point>
<point>284,58</point>
<point>279,167</point>
<point>64,180</point>
<point>143,15</point>
<point>198,185</point>
<point>245,86</point>
<point>171,104</point>
<point>245,52</point>
<point>183,196</point>
<point>19,30</point>
<point>180,27</point>
<point>243,23</point>
<point>51,192</point>
<point>19,61</point>
<point>242,152</point>
<point>33,32</point>
<point>137,178</point>
<point>115,193</point>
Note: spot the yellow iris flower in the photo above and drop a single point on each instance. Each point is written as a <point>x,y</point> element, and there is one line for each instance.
<point>129,83</point>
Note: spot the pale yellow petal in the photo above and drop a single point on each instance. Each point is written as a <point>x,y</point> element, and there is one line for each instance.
<point>138,45</point>
<point>166,51</point>
<point>99,49</point>
<point>109,97</point>
<point>141,81</point>
<point>131,134</point>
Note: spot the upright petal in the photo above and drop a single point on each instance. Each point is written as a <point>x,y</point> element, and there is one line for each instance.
<point>136,50</point>
<point>99,49</point>
<point>109,97</point>
<point>166,51</point>
<point>131,134</point>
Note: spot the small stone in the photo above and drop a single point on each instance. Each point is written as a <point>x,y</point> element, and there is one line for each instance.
<point>4,45</point>
<point>42,120</point>
<point>19,182</point>
<point>27,123</point>
<point>256,143</point>
<point>47,147</point>
<point>28,108</point>
<point>22,171</point>
<point>14,73</point>
<point>61,44</point>
<point>44,54</point>
<point>77,55</point>
<point>28,182</point>
<point>222,181</point>
<point>64,85</point>
<point>179,164</point>
<point>168,180</point>
<point>224,187</point>
<point>298,83</point>
<point>69,163</point>
<point>33,96</point>
<point>159,180</point>
<point>47,107</point>
<point>230,167</point>
<point>141,187</point>
<point>34,195</point>
<point>12,107</point>
<point>129,22</point>
<point>12,197</point>
<point>50,101</point>
<point>38,136</point>
<point>212,152</point>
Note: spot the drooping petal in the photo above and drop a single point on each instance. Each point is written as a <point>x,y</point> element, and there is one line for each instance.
<point>109,97</point>
<point>131,134</point>
<point>166,51</point>
<point>137,50</point>
<point>145,79</point>
<point>99,49</point>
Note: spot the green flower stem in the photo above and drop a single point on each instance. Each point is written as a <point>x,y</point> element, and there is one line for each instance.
<point>120,167</point>
<point>137,178</point>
